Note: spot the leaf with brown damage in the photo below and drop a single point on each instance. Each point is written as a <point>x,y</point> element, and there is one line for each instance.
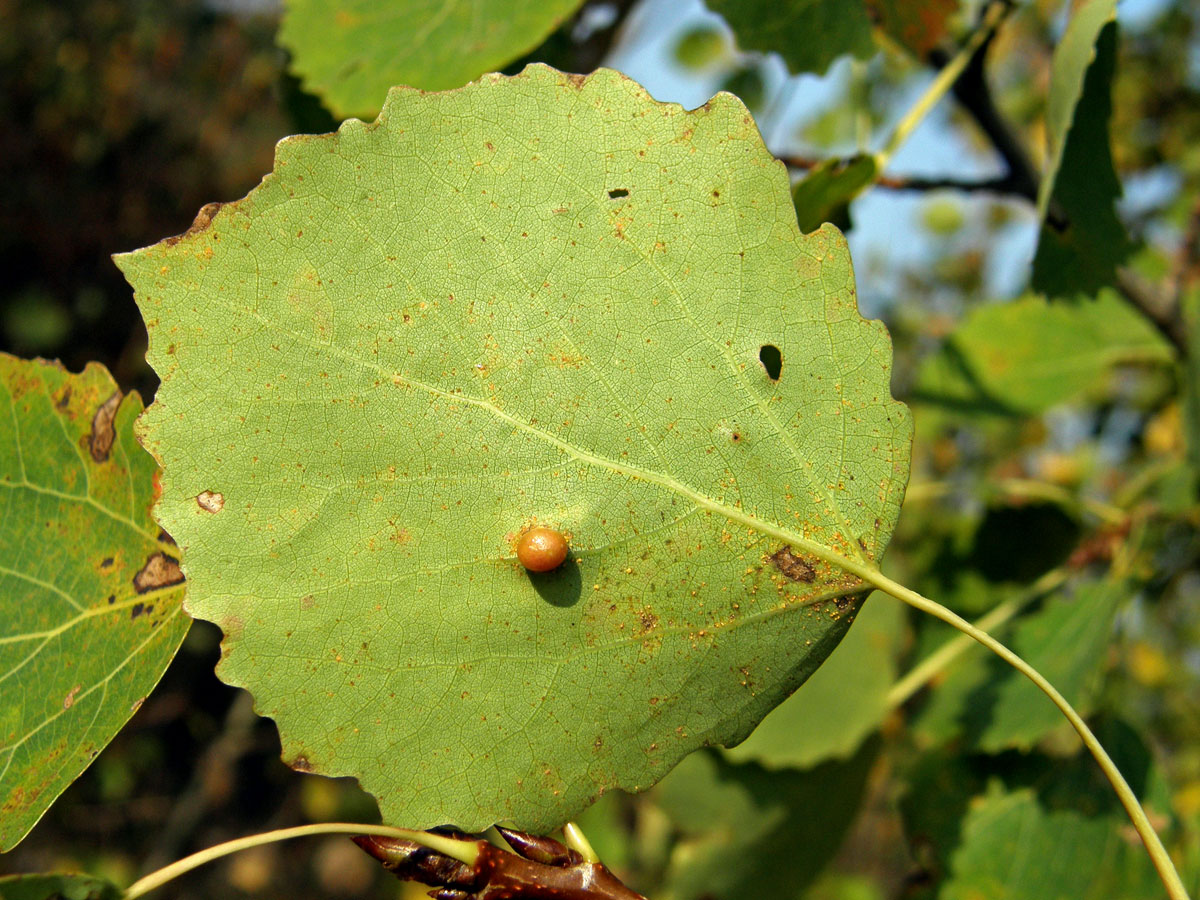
<point>89,594</point>
<point>427,335</point>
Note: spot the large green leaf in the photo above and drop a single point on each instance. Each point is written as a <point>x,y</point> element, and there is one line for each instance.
<point>1082,241</point>
<point>808,34</point>
<point>89,589</point>
<point>350,53</point>
<point>541,298</point>
<point>56,887</point>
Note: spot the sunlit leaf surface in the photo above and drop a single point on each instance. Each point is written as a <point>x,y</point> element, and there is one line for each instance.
<point>541,299</point>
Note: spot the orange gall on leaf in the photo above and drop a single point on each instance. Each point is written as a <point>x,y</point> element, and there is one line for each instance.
<point>541,549</point>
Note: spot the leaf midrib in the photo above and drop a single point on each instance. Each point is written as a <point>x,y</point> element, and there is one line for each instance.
<point>701,500</point>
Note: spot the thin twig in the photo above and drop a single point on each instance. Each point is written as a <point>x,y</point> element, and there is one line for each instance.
<point>1162,310</point>
<point>1005,185</point>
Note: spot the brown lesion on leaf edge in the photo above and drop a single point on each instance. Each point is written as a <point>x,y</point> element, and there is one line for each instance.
<point>104,433</point>
<point>300,763</point>
<point>203,220</point>
<point>160,571</point>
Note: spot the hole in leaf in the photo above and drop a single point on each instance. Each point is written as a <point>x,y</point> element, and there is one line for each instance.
<point>772,360</point>
<point>618,192</point>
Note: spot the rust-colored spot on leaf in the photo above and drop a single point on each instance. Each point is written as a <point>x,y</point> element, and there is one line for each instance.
<point>103,434</point>
<point>69,700</point>
<point>793,566</point>
<point>160,571</point>
<point>211,501</point>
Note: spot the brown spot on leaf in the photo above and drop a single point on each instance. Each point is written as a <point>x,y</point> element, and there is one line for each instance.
<point>69,700</point>
<point>793,566</point>
<point>64,399</point>
<point>211,501</point>
<point>103,434</point>
<point>160,571</point>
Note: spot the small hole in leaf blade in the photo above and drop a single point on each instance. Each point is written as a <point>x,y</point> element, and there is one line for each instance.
<point>618,192</point>
<point>772,360</point>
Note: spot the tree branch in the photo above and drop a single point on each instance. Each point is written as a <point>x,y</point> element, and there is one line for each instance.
<point>1161,309</point>
<point>1004,185</point>
<point>973,94</point>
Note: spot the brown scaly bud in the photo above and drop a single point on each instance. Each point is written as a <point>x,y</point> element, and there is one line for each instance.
<point>410,861</point>
<point>540,869</point>
<point>547,851</point>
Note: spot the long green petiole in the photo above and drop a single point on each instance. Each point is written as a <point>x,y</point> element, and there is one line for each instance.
<point>464,851</point>
<point>1154,846</point>
<point>937,661</point>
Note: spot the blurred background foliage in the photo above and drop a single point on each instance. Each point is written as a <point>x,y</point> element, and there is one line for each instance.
<point>1053,492</point>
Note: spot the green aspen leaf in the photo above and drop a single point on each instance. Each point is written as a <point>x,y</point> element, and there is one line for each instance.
<point>1014,848</point>
<point>90,591</point>
<point>738,822</point>
<point>918,25</point>
<point>808,34</point>
<point>824,194</point>
<point>350,53</point>
<point>538,299</point>
<point>1081,241</point>
<point>1028,355</point>
<point>56,887</point>
<point>1190,306</point>
<point>843,702</point>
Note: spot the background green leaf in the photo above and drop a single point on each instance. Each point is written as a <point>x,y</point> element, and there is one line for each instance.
<point>919,25</point>
<point>56,887</point>
<point>89,588</point>
<point>998,708</point>
<point>824,194</point>
<point>1081,241</point>
<point>808,34</point>
<point>1015,848</point>
<point>349,54</point>
<point>738,821</point>
<point>843,702</point>
<point>422,335</point>
<point>1028,355</point>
